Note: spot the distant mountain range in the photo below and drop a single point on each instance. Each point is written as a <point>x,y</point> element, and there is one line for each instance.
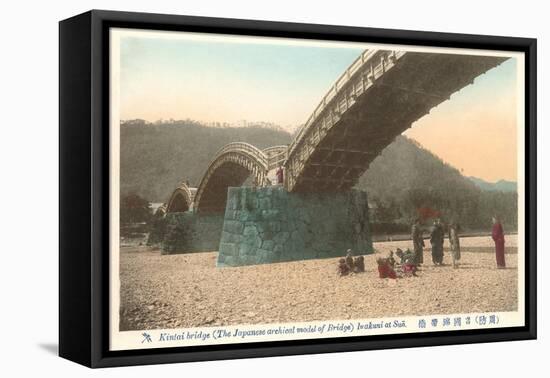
<point>501,185</point>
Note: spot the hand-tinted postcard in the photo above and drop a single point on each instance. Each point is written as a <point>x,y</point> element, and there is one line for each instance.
<point>269,189</point>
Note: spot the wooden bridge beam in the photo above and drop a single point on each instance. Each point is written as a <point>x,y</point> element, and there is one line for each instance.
<point>340,165</point>
<point>344,150</point>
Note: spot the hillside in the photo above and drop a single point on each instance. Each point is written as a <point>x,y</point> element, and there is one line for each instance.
<point>404,166</point>
<point>157,157</point>
<point>404,178</point>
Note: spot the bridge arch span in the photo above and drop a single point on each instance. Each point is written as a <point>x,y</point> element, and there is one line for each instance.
<point>231,166</point>
<point>378,97</point>
<point>181,199</point>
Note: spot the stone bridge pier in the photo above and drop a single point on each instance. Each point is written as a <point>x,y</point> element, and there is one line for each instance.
<point>268,225</point>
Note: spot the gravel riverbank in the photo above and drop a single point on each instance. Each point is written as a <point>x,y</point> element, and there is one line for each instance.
<point>187,290</point>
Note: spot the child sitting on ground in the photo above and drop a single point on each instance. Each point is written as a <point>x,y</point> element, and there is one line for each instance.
<point>349,260</point>
<point>385,270</point>
<point>343,269</point>
<point>359,264</point>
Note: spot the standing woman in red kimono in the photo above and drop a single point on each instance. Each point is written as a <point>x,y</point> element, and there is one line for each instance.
<point>280,176</point>
<point>498,237</point>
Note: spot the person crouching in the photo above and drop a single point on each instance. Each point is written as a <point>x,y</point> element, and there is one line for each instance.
<point>408,262</point>
<point>385,269</point>
<point>343,269</point>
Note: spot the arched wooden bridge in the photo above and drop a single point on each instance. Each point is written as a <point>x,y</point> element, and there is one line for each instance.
<point>378,97</point>
<point>231,166</point>
<point>181,199</point>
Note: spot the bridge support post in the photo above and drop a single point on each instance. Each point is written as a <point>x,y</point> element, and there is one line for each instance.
<point>268,225</point>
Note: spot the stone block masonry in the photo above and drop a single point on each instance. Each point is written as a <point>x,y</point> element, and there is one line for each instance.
<point>189,232</point>
<point>269,224</point>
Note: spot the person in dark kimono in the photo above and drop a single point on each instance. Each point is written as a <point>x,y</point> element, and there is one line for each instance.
<point>418,242</point>
<point>454,242</point>
<point>498,238</point>
<point>436,239</point>
<point>391,259</point>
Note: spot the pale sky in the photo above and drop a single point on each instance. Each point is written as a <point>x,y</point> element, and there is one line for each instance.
<point>475,131</point>
<point>218,80</point>
<point>226,82</point>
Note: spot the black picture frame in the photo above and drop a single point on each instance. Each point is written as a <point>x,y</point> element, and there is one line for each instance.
<point>84,187</point>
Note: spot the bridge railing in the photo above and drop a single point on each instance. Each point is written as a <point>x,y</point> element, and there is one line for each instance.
<point>357,64</point>
<point>243,147</point>
<point>363,60</point>
<point>277,161</point>
<point>276,156</point>
<point>275,149</point>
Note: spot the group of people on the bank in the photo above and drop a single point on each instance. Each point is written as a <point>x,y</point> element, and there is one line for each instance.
<point>410,261</point>
<point>351,264</point>
<point>407,266</point>
<point>437,238</point>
